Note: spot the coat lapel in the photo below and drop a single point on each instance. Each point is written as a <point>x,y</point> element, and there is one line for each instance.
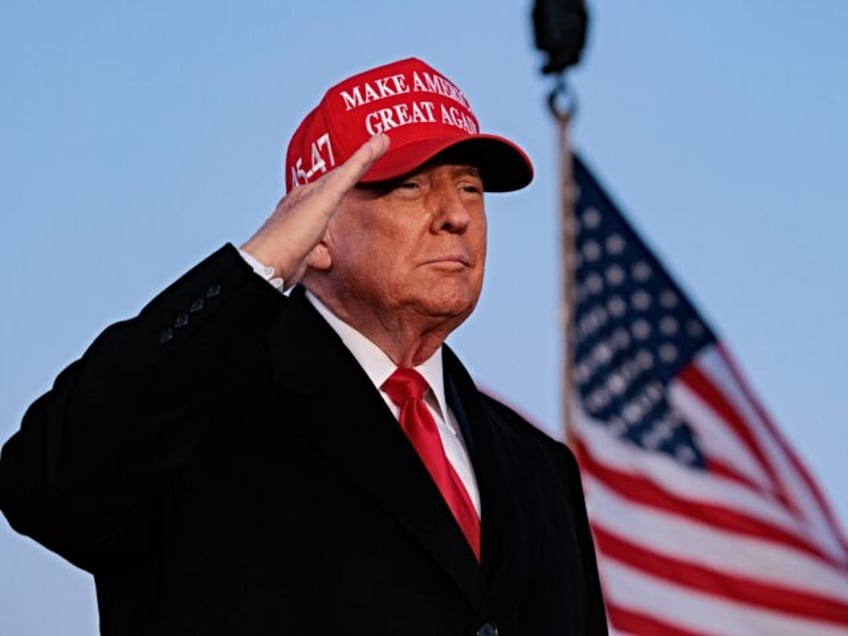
<point>352,427</point>
<point>505,533</point>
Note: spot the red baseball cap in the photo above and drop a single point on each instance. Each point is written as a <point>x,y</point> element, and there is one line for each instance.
<point>421,111</point>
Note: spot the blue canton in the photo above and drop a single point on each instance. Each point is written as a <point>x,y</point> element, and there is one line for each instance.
<point>634,330</point>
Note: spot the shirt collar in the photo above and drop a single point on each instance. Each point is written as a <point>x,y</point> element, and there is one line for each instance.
<point>377,365</point>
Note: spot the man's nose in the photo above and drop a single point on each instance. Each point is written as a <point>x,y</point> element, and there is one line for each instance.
<point>452,214</point>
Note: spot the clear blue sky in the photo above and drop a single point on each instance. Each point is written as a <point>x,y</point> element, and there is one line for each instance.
<point>137,137</point>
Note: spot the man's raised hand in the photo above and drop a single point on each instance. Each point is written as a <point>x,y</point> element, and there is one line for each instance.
<point>299,221</point>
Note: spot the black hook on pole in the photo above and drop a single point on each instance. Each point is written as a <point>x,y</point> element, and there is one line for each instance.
<point>559,27</point>
<point>560,31</point>
<point>562,102</point>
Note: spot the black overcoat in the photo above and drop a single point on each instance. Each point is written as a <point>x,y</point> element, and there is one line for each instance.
<point>222,465</point>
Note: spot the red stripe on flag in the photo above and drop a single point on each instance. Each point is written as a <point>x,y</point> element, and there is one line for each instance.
<point>648,493</point>
<point>799,467</point>
<point>695,379</point>
<point>738,588</point>
<point>720,468</point>
<point>638,623</point>
<point>783,507</point>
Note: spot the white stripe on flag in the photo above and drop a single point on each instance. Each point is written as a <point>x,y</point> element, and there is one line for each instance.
<point>713,364</point>
<point>730,553</point>
<point>633,589</point>
<point>692,485</point>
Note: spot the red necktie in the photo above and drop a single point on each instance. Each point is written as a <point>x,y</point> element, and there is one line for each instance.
<point>406,388</point>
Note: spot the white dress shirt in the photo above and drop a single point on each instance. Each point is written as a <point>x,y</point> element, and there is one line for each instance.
<point>378,366</point>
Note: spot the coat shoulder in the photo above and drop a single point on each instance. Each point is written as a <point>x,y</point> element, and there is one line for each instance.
<point>538,457</point>
<point>517,426</point>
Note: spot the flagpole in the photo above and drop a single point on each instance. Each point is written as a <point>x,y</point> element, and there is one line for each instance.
<point>559,27</point>
<point>563,107</point>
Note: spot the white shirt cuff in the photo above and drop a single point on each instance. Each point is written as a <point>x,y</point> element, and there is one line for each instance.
<point>263,270</point>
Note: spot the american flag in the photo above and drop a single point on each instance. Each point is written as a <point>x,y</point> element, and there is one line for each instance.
<point>704,519</point>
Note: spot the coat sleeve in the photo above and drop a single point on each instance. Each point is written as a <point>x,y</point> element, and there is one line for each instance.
<point>96,461</point>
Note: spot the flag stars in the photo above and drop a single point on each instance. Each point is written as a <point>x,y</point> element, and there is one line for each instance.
<point>641,329</point>
<point>616,384</point>
<point>659,434</point>
<point>645,359</point>
<point>634,332</point>
<point>648,399</point>
<point>633,412</point>
<point>594,283</point>
<point>685,455</point>
<point>654,391</point>
<point>621,339</point>
<point>615,275</point>
<point>600,316</point>
<point>669,326</point>
<point>668,299</point>
<point>592,321</point>
<point>591,218</point>
<point>582,373</point>
<point>585,327</point>
<point>631,370</point>
<point>616,306</point>
<point>592,251</point>
<point>618,427</point>
<point>668,353</point>
<point>664,429</point>
<point>641,271</point>
<point>650,440</point>
<point>598,366</point>
<point>641,300</point>
<point>602,353</point>
<point>598,399</point>
<point>647,441</point>
<point>614,244</point>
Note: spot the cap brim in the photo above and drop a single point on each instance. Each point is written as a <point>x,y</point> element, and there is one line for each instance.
<point>503,166</point>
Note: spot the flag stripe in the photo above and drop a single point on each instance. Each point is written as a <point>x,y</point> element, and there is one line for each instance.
<point>705,520</point>
<point>647,493</point>
<point>719,442</point>
<point>693,378</point>
<point>796,463</point>
<point>818,523</point>
<point>638,590</point>
<point>794,491</point>
<point>711,581</point>
<point>679,482</point>
<point>638,623</point>
<point>739,556</point>
<point>729,472</point>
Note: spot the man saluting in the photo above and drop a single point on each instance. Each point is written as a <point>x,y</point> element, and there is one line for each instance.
<point>237,461</point>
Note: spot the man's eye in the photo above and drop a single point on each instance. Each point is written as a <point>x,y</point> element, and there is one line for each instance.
<point>471,188</point>
<point>408,188</point>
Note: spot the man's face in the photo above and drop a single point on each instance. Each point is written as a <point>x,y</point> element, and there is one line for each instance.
<point>415,248</point>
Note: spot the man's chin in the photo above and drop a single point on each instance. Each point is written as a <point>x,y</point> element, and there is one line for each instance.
<point>452,309</point>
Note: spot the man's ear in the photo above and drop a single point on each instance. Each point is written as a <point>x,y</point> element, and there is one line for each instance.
<point>319,257</point>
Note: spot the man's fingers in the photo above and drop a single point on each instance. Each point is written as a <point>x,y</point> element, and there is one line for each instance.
<point>348,174</point>
<point>300,219</point>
